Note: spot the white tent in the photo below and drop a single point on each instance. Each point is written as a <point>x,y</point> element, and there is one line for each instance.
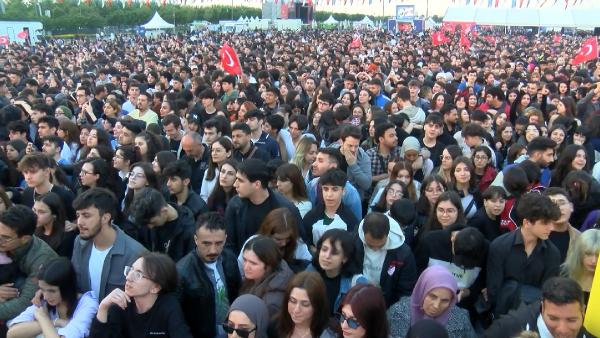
<point>157,23</point>
<point>330,21</point>
<point>534,17</point>
<point>365,21</point>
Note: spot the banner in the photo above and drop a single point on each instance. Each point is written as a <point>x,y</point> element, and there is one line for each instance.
<point>405,13</point>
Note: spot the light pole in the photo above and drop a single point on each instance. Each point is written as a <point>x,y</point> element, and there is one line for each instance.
<point>427,10</point>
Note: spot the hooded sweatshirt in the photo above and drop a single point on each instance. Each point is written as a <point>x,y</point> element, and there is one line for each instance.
<point>415,114</point>
<point>374,259</point>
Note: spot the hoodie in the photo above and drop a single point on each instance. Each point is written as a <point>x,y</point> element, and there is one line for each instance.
<point>415,114</point>
<point>373,262</point>
<point>392,268</point>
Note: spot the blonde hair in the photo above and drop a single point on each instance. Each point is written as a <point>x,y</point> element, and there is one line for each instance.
<point>588,243</point>
<point>302,149</point>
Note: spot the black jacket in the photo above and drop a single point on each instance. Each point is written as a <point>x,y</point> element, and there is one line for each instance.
<point>241,224</point>
<point>193,202</point>
<point>398,273</point>
<point>175,238</point>
<point>196,292</point>
<point>490,228</point>
<point>523,318</point>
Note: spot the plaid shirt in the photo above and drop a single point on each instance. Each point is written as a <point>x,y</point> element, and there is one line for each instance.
<point>379,163</point>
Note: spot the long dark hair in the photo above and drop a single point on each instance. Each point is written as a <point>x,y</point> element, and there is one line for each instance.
<point>151,178</point>
<point>433,223</point>
<point>57,209</point>
<point>423,205</point>
<point>564,164</point>
<point>291,172</point>
<point>353,265</point>
<point>59,272</point>
<point>381,205</point>
<point>219,198</point>
<point>368,306</point>
<point>267,251</point>
<point>210,171</point>
<point>314,286</point>
<point>153,143</point>
<point>278,221</point>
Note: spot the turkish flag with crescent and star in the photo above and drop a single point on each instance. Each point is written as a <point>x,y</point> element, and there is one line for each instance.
<point>23,34</point>
<point>230,61</point>
<point>588,51</point>
<point>4,40</point>
<point>438,38</point>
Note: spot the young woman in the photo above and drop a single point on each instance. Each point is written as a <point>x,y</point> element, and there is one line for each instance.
<point>94,173</point>
<point>485,172</point>
<point>463,182</point>
<point>306,312</point>
<point>450,153</point>
<point>84,132</point>
<point>291,185</point>
<point>573,157</point>
<point>265,272</point>
<point>306,154</point>
<point>335,261</point>
<point>581,261</point>
<point>437,102</point>
<point>362,313</point>
<point>51,217</point>
<point>124,157</point>
<point>161,159</point>
<point>224,191</point>
<point>504,138</point>
<point>431,189</point>
<point>434,297</point>
<point>472,103</point>
<point>61,313</point>
<point>69,132</point>
<point>446,211</point>
<point>406,175</point>
<point>145,306</point>
<point>140,176</point>
<point>248,317</point>
<point>364,99</point>
<point>220,151</point>
<point>392,192</point>
<point>585,195</point>
<point>148,145</point>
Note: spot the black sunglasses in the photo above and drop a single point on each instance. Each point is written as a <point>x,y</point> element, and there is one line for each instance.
<point>352,323</point>
<point>243,333</point>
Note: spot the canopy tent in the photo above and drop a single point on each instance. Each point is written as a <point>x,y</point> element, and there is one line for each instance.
<point>365,21</point>
<point>533,17</point>
<point>157,23</point>
<point>330,21</point>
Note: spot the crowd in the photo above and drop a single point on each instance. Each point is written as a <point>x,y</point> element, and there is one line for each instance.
<point>392,189</point>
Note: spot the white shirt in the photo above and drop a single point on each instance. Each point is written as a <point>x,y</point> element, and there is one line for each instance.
<point>95,266</point>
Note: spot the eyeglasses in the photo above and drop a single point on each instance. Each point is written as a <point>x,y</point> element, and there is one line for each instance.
<point>449,211</point>
<point>352,323</point>
<point>397,193</point>
<point>442,157</point>
<point>481,158</point>
<point>135,275</point>
<point>243,333</point>
<point>85,172</point>
<point>4,240</point>
<point>131,174</point>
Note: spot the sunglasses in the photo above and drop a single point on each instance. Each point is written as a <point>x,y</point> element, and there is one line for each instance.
<point>352,323</point>
<point>242,333</point>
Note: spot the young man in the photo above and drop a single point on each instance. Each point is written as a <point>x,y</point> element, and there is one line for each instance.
<point>171,226</point>
<point>463,251</point>
<point>36,170</point>
<point>559,314</point>
<point>212,131</point>
<point>376,88</point>
<point>28,252</point>
<point>254,120</point>
<point>414,113</point>
<point>328,158</point>
<point>102,249</point>
<point>432,129</point>
<point>271,101</point>
<point>132,96</point>
<point>414,86</point>
<point>495,102</point>
<point>450,117</point>
<point>129,132</point>
<point>243,146</point>
<point>474,136</point>
<point>197,155</point>
<point>174,133</point>
<point>209,278</point>
<point>52,146</point>
<point>387,261</point>
<point>333,214</point>
<point>359,163</point>
<point>386,149</point>
<point>519,262</point>
<point>564,234</point>
<point>143,111</point>
<point>38,111</point>
<point>487,219</point>
<point>469,82</point>
<point>178,176</point>
<point>207,97</point>
<point>246,211</point>
<point>17,130</point>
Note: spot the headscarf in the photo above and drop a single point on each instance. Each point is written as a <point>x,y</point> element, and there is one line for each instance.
<point>410,143</point>
<point>256,310</point>
<point>433,277</point>
<point>67,111</point>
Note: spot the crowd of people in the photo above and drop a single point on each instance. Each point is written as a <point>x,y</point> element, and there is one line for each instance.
<point>391,189</point>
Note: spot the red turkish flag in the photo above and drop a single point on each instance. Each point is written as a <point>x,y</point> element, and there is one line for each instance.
<point>438,38</point>
<point>464,40</point>
<point>284,11</point>
<point>229,60</point>
<point>556,38</point>
<point>356,42</point>
<point>490,39</point>
<point>4,40</point>
<point>23,35</point>
<point>588,51</point>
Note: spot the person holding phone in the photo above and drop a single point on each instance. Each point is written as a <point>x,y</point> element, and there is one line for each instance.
<point>60,313</point>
